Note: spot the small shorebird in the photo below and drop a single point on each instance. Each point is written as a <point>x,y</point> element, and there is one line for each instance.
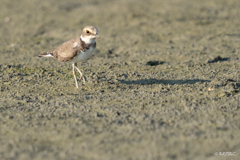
<point>76,49</point>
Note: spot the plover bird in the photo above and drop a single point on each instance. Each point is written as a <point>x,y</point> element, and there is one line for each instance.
<point>76,49</point>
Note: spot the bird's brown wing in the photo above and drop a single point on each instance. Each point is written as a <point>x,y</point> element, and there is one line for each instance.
<point>67,51</point>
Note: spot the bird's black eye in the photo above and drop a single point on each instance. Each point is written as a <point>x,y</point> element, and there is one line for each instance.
<point>87,31</point>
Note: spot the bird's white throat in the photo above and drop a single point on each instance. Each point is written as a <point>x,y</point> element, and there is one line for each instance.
<point>88,39</point>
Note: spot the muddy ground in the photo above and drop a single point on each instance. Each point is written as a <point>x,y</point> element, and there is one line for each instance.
<point>163,84</point>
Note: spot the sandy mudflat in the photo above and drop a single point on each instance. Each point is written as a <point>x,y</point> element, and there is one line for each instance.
<point>164,82</point>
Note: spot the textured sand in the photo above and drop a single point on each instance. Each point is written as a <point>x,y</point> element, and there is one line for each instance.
<point>163,84</point>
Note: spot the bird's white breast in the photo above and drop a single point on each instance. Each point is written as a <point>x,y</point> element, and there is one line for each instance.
<point>83,55</point>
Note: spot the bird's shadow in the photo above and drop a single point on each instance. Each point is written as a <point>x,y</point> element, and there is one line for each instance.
<point>218,59</point>
<point>156,81</point>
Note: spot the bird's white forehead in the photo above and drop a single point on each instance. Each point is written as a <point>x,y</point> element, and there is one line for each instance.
<point>96,30</point>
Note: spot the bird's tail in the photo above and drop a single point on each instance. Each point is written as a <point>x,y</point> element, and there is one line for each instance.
<point>46,54</point>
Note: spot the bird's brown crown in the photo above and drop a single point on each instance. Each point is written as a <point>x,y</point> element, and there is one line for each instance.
<point>90,31</point>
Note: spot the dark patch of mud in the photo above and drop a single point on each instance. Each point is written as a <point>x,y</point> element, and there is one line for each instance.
<point>154,63</point>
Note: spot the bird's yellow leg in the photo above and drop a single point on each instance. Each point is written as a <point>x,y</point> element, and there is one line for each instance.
<point>81,75</point>
<point>74,74</point>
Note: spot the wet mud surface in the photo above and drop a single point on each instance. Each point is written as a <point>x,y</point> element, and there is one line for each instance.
<point>163,82</point>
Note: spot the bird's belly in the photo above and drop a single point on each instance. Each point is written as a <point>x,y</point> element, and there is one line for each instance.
<point>83,55</point>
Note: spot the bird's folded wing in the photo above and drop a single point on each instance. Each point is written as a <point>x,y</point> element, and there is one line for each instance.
<point>67,51</point>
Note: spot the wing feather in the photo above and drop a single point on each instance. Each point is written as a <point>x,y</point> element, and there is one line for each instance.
<point>68,50</point>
